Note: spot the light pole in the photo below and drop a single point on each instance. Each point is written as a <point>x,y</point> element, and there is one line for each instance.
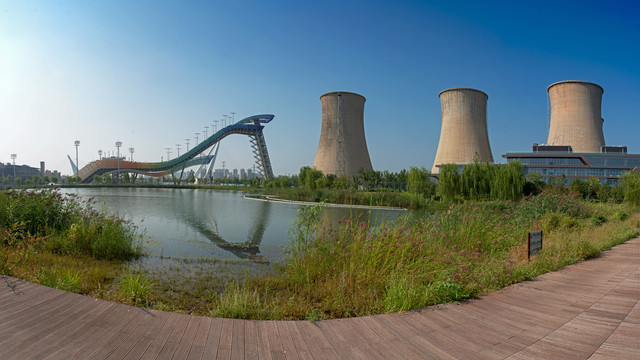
<point>187,140</point>
<point>99,154</point>
<point>118,144</point>
<point>215,125</point>
<point>77,143</point>
<point>131,150</point>
<point>13,157</point>
<point>206,135</point>
<point>233,117</point>
<point>168,153</point>
<point>178,146</point>
<point>225,120</point>
<point>197,134</point>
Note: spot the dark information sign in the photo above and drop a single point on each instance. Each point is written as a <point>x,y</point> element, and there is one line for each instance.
<point>535,243</point>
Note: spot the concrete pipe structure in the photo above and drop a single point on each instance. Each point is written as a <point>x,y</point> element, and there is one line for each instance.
<point>343,148</point>
<point>463,136</point>
<point>575,118</point>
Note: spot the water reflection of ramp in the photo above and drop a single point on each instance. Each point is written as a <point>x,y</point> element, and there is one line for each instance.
<point>249,249</point>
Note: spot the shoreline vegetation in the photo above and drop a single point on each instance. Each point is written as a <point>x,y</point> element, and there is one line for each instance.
<point>475,244</point>
<point>277,199</point>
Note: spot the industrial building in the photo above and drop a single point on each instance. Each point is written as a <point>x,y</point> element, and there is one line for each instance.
<point>342,149</point>
<point>550,162</point>
<point>463,137</point>
<point>26,171</point>
<point>576,147</point>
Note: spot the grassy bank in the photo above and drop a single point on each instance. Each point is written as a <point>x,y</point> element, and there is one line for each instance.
<point>61,242</point>
<point>470,249</point>
<point>400,199</point>
<point>332,271</point>
<point>348,270</point>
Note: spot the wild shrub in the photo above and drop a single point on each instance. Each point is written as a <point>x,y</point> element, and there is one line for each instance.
<point>631,187</point>
<point>65,225</point>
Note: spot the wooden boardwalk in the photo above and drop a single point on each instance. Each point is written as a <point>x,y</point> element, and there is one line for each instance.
<point>587,310</point>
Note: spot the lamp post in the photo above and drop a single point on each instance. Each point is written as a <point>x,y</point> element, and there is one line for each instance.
<point>77,143</point>
<point>233,117</point>
<point>168,153</point>
<point>197,134</point>
<point>215,126</point>
<point>206,134</point>
<point>131,151</point>
<point>187,140</point>
<point>178,146</point>
<point>118,144</point>
<point>225,120</point>
<point>13,157</point>
<point>99,154</point>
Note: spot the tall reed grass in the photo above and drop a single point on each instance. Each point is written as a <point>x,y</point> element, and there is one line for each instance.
<point>469,249</point>
<point>60,241</point>
<point>64,224</point>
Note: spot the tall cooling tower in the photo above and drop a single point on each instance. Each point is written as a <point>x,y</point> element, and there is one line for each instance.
<point>343,148</point>
<point>575,118</point>
<point>464,128</point>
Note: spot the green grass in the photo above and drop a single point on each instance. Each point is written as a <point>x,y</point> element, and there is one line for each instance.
<point>61,242</point>
<point>351,269</point>
<point>63,224</point>
<point>389,198</point>
<point>468,250</point>
<point>63,279</point>
<point>134,289</point>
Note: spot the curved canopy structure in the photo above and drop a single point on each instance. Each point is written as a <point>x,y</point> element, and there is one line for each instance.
<point>251,126</point>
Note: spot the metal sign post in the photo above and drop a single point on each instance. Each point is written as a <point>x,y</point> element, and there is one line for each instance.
<point>534,243</point>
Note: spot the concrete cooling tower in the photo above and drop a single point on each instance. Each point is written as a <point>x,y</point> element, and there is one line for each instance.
<point>343,148</point>
<point>464,128</point>
<point>575,117</point>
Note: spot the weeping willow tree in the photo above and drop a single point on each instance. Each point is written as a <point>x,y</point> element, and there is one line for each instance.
<point>418,181</point>
<point>508,182</point>
<point>476,180</point>
<point>631,187</point>
<point>449,182</point>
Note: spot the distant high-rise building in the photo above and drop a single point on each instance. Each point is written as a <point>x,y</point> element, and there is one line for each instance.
<point>218,173</point>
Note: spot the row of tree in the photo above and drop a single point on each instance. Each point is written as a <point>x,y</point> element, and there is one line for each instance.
<point>474,181</point>
<point>34,180</point>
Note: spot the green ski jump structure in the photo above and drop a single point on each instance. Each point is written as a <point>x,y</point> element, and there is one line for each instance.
<point>251,127</point>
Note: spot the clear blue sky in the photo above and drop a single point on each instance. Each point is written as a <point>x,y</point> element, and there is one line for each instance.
<point>152,73</point>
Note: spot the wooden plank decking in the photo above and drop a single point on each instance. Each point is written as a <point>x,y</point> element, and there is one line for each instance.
<point>587,310</point>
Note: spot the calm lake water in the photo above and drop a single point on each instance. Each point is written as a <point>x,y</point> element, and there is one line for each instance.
<point>201,224</point>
